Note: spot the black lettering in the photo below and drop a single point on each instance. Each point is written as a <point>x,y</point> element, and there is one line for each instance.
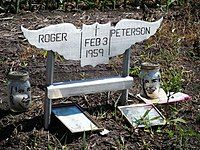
<point>143,31</point>
<point>86,53</point>
<point>128,33</point>
<point>148,29</point>
<point>133,31</point>
<point>89,52</point>
<point>123,32</point>
<point>95,52</point>
<point>112,32</point>
<point>92,42</point>
<point>47,37</point>
<point>64,36</point>
<point>105,41</point>
<point>98,41</point>
<point>58,39</point>
<point>117,33</point>
<point>41,38</point>
<point>101,52</point>
<point>53,37</point>
<point>138,31</point>
<point>86,42</point>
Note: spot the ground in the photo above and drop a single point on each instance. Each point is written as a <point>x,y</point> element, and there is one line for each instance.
<point>175,47</point>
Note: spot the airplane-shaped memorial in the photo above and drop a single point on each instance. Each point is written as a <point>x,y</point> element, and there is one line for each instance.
<point>93,44</point>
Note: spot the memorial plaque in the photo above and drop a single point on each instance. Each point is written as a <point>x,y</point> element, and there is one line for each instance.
<point>74,118</point>
<point>93,44</point>
<point>141,115</point>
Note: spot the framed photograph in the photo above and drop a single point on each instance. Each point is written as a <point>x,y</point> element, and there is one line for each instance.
<point>142,115</point>
<point>74,118</point>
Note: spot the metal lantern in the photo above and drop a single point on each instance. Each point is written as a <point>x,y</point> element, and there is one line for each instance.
<point>150,80</point>
<point>19,91</point>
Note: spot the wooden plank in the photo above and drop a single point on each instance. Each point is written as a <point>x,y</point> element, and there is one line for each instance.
<point>126,68</point>
<point>47,101</point>
<point>65,89</point>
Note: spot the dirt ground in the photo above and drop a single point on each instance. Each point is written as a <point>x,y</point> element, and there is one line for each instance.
<point>175,45</point>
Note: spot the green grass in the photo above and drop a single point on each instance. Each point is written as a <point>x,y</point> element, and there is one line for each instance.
<point>172,79</point>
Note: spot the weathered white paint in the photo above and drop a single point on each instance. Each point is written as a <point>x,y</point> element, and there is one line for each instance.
<point>93,44</point>
<point>66,89</point>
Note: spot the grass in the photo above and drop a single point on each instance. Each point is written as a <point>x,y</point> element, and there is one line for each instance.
<point>181,134</point>
<point>121,142</point>
<point>85,143</point>
<point>144,120</point>
<point>166,48</point>
<point>16,6</point>
<point>135,71</point>
<point>172,79</point>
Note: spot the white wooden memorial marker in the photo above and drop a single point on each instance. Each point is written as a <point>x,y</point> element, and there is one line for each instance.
<point>92,45</point>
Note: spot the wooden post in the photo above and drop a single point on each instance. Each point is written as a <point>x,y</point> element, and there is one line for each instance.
<point>126,66</point>
<point>48,102</point>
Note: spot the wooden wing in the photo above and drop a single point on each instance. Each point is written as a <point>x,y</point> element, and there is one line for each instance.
<point>129,31</point>
<point>62,38</point>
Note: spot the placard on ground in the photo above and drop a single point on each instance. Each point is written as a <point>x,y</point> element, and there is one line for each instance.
<point>142,115</point>
<point>74,118</point>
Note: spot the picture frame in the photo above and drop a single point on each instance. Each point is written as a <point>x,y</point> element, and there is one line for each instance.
<point>142,115</point>
<point>75,118</point>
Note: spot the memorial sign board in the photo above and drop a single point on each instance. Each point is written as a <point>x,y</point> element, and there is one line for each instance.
<point>93,44</point>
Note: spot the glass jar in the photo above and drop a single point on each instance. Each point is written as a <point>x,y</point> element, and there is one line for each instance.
<point>19,91</point>
<point>150,80</point>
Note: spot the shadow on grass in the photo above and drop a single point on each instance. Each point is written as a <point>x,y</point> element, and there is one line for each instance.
<point>6,132</point>
<point>61,132</point>
<point>100,109</point>
<point>64,135</point>
<point>4,113</point>
<point>56,128</point>
<point>27,125</point>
